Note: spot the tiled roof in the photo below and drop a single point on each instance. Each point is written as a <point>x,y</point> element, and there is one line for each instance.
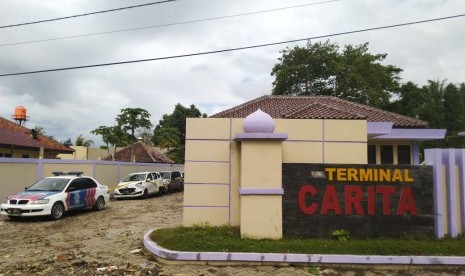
<point>16,135</point>
<point>142,154</point>
<point>318,107</point>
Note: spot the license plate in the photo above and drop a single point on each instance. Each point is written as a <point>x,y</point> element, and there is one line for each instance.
<point>14,211</point>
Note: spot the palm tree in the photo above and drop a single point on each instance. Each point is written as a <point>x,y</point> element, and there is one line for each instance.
<point>81,141</point>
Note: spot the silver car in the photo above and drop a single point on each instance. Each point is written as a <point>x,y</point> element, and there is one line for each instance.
<point>172,181</point>
<point>141,184</point>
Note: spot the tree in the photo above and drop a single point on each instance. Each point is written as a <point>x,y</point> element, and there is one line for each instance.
<point>67,142</point>
<point>454,106</point>
<point>170,133</point>
<point>113,135</point>
<point>81,141</point>
<point>411,101</point>
<point>322,69</point>
<point>133,118</point>
<point>434,105</point>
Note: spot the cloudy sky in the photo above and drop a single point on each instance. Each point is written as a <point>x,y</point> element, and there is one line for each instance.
<point>69,103</point>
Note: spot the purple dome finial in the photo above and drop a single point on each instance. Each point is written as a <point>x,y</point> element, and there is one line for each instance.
<point>258,122</point>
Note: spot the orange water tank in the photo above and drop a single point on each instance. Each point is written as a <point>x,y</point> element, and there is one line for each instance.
<point>20,113</point>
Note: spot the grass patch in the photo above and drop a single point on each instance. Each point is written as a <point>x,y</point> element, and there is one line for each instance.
<point>227,239</point>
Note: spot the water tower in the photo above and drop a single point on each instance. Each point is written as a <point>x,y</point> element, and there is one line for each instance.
<point>20,115</point>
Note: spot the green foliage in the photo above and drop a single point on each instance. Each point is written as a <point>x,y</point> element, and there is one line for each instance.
<point>226,238</point>
<point>440,104</point>
<point>341,235</point>
<point>81,141</point>
<point>314,270</point>
<point>170,133</point>
<point>113,135</point>
<point>133,118</point>
<point>67,142</point>
<point>322,69</point>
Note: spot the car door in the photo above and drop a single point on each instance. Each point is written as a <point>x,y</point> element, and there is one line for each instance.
<point>80,193</point>
<point>175,180</point>
<point>151,187</point>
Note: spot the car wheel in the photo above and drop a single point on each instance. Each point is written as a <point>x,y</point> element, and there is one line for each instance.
<point>146,194</point>
<point>181,187</point>
<point>99,204</point>
<point>57,211</point>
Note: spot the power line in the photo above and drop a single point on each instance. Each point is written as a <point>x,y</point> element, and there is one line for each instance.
<point>231,49</point>
<point>168,24</point>
<point>86,14</point>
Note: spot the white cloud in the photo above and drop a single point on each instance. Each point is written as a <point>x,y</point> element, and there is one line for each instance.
<point>74,102</point>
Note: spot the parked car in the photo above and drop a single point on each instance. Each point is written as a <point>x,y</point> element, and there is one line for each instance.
<point>52,196</point>
<point>141,184</point>
<point>172,181</point>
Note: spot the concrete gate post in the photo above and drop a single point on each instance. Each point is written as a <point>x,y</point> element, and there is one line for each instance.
<point>260,178</point>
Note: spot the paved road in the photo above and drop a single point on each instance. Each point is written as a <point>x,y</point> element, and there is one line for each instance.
<point>109,242</point>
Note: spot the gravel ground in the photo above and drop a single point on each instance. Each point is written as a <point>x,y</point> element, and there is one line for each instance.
<point>109,242</point>
<point>88,242</point>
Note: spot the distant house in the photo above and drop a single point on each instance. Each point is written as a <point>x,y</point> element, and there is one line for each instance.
<point>392,138</point>
<point>141,153</point>
<point>19,142</point>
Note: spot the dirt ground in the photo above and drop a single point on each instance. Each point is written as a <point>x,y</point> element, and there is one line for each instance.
<point>109,242</point>
<point>88,242</point>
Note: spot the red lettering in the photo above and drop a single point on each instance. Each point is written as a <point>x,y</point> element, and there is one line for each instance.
<point>371,200</point>
<point>304,190</point>
<point>406,202</point>
<point>386,191</point>
<point>330,201</point>
<point>352,196</point>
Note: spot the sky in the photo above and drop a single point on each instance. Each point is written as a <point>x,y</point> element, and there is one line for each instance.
<point>72,102</point>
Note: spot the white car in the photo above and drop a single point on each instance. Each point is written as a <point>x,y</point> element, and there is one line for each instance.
<point>52,196</point>
<point>141,184</point>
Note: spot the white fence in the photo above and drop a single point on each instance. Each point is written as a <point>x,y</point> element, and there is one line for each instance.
<point>17,173</point>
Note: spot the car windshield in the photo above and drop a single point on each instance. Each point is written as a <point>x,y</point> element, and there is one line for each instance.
<point>134,177</point>
<point>165,175</point>
<point>49,184</point>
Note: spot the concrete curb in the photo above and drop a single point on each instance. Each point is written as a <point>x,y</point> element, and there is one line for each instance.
<point>164,253</point>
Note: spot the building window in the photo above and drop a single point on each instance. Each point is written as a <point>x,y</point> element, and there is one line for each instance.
<point>1,154</point>
<point>371,154</point>
<point>25,155</point>
<point>7,155</point>
<point>403,154</point>
<point>387,154</point>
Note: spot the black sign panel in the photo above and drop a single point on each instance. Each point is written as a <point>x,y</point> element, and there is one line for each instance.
<point>366,200</point>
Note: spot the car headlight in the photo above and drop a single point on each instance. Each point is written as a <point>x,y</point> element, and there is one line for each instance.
<point>138,184</point>
<point>39,201</point>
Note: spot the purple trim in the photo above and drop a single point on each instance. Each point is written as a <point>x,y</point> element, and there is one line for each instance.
<point>296,258</point>
<point>206,206</point>
<point>422,134</point>
<point>206,161</point>
<point>261,191</point>
<point>378,128</point>
<point>207,139</point>
<point>460,160</point>
<point>433,157</point>
<point>318,141</point>
<point>346,142</point>
<point>449,160</point>
<point>416,153</point>
<point>199,183</point>
<point>266,136</point>
<point>230,169</point>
